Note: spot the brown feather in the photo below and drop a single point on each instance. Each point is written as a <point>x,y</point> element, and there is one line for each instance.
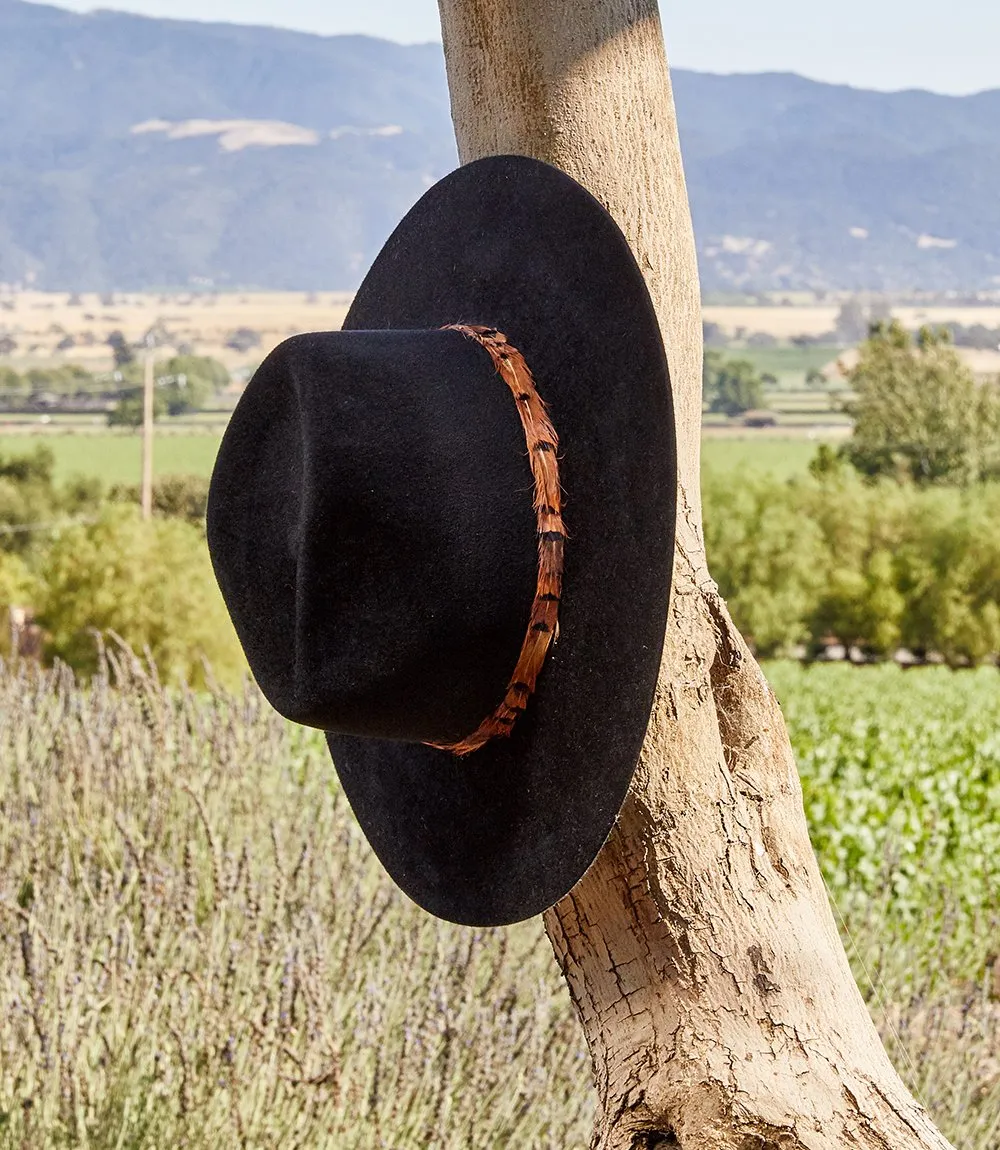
<point>543,453</point>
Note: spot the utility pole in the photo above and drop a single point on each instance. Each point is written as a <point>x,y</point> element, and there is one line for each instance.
<point>147,432</point>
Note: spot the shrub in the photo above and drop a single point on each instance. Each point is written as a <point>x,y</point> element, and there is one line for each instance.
<point>150,583</point>
<point>28,497</point>
<point>129,411</point>
<point>174,496</point>
<point>767,561</point>
<point>876,565</point>
<point>731,386</point>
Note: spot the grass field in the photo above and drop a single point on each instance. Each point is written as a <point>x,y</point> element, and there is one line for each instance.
<point>197,947</point>
<point>789,365</point>
<point>779,457</point>
<point>115,458</point>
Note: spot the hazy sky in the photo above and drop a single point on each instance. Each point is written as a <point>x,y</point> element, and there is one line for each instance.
<point>869,43</point>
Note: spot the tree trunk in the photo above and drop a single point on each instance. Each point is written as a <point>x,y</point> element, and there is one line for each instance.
<point>700,949</point>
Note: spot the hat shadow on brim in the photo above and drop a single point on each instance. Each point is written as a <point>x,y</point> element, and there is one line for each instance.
<point>497,837</point>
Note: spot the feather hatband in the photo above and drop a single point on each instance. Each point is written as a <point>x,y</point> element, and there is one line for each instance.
<point>543,454</point>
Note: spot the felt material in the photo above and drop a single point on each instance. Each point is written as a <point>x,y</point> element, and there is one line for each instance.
<point>347,515</point>
<point>371,526</point>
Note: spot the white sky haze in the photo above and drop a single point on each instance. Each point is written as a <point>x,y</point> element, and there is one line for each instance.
<point>885,44</point>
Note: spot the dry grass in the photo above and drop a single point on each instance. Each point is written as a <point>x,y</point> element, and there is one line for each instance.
<point>198,950</point>
<point>941,1027</point>
<point>817,319</point>
<point>39,320</point>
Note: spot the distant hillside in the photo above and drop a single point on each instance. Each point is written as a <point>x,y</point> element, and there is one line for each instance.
<point>799,184</point>
<point>137,152</point>
<point>144,153</point>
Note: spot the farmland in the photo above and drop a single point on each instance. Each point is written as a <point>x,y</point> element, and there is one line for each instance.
<point>816,319</point>
<point>115,457</point>
<point>189,860</point>
<point>39,331</point>
<point>40,322</point>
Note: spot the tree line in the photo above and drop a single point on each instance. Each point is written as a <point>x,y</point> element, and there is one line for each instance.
<point>835,559</point>
<point>893,540</point>
<point>890,541</point>
<point>185,383</point>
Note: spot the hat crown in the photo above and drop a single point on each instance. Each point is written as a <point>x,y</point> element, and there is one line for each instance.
<point>384,585</point>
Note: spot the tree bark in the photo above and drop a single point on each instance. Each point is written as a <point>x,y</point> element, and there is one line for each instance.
<point>700,949</point>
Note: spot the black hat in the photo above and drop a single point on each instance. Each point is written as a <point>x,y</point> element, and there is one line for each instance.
<point>386,528</point>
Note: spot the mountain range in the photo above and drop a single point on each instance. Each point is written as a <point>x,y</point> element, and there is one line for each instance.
<point>144,153</point>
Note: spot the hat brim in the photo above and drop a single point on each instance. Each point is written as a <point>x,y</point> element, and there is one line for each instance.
<point>498,837</point>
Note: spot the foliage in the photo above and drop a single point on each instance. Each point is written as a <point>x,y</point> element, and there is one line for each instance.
<point>175,496</point>
<point>193,380</point>
<point>877,566</point>
<point>901,780</point>
<point>151,583</point>
<point>31,500</point>
<point>122,350</point>
<point>65,378</point>
<point>129,411</point>
<point>919,413</point>
<point>184,383</point>
<point>768,563</point>
<point>197,947</point>
<point>815,379</point>
<point>901,776</point>
<point>18,587</point>
<point>87,566</point>
<point>731,386</point>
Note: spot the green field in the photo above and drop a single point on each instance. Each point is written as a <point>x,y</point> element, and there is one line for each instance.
<point>116,457</point>
<point>789,365</point>
<point>782,458</point>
